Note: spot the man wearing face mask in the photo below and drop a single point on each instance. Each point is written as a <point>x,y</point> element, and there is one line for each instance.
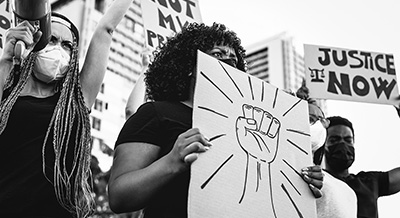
<point>44,117</point>
<point>338,199</point>
<point>368,186</point>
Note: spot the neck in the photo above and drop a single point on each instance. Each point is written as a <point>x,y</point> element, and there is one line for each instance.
<point>38,89</point>
<point>338,174</point>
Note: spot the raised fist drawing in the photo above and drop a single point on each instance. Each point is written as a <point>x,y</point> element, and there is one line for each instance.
<point>257,132</point>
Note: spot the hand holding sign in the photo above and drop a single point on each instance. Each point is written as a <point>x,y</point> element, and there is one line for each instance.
<point>257,133</point>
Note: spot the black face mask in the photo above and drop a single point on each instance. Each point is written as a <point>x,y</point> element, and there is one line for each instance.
<point>229,61</point>
<point>340,156</point>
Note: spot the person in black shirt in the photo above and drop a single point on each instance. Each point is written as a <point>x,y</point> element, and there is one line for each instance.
<point>369,185</point>
<point>157,144</point>
<point>44,118</point>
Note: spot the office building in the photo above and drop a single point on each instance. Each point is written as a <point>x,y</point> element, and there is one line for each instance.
<point>275,60</point>
<point>278,61</point>
<point>108,112</point>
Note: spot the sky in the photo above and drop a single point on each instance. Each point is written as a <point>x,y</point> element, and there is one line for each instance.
<point>367,25</point>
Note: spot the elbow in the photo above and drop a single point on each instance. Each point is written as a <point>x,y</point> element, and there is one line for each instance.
<point>120,201</point>
<point>115,200</point>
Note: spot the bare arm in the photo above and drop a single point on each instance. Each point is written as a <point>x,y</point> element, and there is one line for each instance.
<point>96,60</point>
<point>5,68</point>
<point>138,94</point>
<point>136,98</point>
<point>137,174</point>
<point>394,180</point>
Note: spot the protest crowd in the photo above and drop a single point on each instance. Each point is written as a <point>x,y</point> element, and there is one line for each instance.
<point>47,96</point>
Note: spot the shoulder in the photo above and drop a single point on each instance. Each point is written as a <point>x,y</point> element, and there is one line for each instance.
<point>374,178</point>
<point>370,174</point>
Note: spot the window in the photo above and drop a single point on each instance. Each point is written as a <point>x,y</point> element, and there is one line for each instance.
<point>96,123</point>
<point>99,5</point>
<point>102,88</point>
<point>98,105</point>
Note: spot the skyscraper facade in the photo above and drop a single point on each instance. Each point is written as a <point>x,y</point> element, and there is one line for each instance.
<point>124,65</point>
<point>276,61</point>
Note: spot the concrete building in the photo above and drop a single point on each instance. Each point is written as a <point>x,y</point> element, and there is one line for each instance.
<point>124,65</point>
<point>275,60</point>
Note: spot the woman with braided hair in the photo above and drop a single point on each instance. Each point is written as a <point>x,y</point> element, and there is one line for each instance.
<point>44,118</point>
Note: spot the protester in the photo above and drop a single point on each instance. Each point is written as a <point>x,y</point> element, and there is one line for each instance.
<point>368,185</point>
<point>157,144</point>
<point>138,93</point>
<point>44,118</point>
<point>338,200</point>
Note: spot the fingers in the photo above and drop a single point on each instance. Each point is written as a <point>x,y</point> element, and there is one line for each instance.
<point>24,32</point>
<point>316,192</point>
<point>314,176</point>
<point>190,158</point>
<point>190,144</point>
<point>264,122</point>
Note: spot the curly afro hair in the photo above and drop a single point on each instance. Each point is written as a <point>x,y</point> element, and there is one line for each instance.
<point>168,76</point>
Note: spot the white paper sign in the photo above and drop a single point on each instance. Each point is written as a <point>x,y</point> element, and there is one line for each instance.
<point>5,21</point>
<point>350,75</point>
<point>164,18</point>
<point>260,141</point>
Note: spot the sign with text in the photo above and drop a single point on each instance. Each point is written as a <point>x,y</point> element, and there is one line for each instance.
<point>164,18</point>
<point>350,75</point>
<point>260,139</point>
<point>5,21</point>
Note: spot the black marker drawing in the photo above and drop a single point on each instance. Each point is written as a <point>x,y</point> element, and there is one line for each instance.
<point>257,132</point>
<point>317,75</point>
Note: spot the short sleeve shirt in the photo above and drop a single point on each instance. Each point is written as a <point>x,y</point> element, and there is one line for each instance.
<point>368,186</point>
<point>160,123</point>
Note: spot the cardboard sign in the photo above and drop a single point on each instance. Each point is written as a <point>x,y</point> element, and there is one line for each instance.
<point>260,139</point>
<point>5,21</point>
<point>351,75</point>
<point>164,18</point>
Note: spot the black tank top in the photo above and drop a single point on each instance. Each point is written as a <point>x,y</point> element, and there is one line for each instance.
<point>24,190</point>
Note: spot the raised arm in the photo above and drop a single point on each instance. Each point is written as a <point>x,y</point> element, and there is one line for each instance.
<point>136,98</point>
<point>138,93</point>
<point>96,60</point>
<point>394,180</point>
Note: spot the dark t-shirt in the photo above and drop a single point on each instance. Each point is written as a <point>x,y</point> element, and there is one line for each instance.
<point>368,186</point>
<point>160,123</point>
<point>24,191</point>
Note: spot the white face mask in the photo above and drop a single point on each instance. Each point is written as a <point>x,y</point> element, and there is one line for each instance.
<point>51,64</point>
<point>318,135</point>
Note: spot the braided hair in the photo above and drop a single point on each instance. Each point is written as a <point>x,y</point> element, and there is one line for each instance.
<point>167,77</point>
<point>69,125</point>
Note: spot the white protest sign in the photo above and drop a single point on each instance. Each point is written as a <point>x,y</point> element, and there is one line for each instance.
<point>350,75</point>
<point>5,21</point>
<point>260,139</point>
<point>164,18</point>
